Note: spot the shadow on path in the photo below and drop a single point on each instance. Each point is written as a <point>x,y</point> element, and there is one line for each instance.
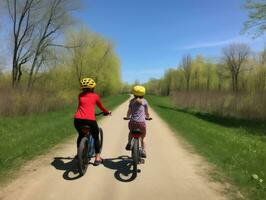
<point>67,164</point>
<point>123,168</point>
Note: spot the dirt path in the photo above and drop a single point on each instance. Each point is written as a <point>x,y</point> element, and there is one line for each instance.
<point>171,172</point>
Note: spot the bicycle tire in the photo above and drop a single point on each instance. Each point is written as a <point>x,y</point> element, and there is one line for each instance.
<point>135,156</point>
<point>101,139</point>
<point>83,156</point>
<point>91,149</point>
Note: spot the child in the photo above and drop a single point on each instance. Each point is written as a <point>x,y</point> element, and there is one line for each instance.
<point>138,112</point>
<point>85,114</point>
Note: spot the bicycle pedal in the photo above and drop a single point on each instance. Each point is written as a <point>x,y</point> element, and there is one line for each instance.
<point>142,161</point>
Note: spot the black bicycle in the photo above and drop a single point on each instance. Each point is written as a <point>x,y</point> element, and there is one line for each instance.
<point>135,148</point>
<point>86,149</point>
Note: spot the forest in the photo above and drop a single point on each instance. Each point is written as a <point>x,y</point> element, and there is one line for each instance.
<point>233,85</point>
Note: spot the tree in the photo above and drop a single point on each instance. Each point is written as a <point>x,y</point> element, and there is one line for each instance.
<point>260,72</point>
<point>168,82</point>
<point>220,71</point>
<point>198,65</point>
<point>256,23</point>
<point>94,58</point>
<point>235,55</point>
<point>1,67</point>
<point>187,68</point>
<point>36,24</point>
<point>208,67</point>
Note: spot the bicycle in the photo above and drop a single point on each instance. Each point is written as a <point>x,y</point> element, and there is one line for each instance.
<point>86,149</point>
<point>135,148</point>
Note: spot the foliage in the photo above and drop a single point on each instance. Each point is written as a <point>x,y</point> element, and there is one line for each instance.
<point>94,58</point>
<point>236,147</point>
<point>238,80</point>
<point>256,24</point>
<point>58,84</point>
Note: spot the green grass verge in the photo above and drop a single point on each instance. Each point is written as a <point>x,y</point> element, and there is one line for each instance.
<point>24,137</point>
<point>236,147</point>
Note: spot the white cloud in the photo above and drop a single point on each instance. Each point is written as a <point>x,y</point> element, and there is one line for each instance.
<point>201,45</point>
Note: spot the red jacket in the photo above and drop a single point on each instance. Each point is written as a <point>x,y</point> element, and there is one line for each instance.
<point>87,101</point>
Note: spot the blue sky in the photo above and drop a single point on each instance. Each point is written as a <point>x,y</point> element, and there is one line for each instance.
<point>151,36</point>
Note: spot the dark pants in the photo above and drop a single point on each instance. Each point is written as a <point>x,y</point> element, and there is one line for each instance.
<point>94,130</point>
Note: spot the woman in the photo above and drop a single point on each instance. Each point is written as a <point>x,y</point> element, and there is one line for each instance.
<point>85,114</point>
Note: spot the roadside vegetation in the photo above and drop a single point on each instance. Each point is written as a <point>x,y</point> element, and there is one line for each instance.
<point>25,137</point>
<point>47,58</point>
<point>236,147</point>
<point>233,86</point>
<point>39,77</point>
<point>219,106</point>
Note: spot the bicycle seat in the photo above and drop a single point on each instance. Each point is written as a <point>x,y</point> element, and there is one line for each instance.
<point>136,131</point>
<point>85,129</point>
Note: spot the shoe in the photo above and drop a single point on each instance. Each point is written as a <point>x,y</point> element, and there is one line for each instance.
<point>128,147</point>
<point>143,154</point>
<point>98,162</point>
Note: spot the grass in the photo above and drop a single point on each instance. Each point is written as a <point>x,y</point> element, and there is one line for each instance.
<point>25,137</point>
<point>236,147</point>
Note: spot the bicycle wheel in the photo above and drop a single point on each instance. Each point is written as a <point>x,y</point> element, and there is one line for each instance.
<point>91,150</point>
<point>101,138</point>
<point>83,156</point>
<point>135,156</point>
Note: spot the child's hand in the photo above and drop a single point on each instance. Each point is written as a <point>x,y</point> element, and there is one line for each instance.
<point>108,113</point>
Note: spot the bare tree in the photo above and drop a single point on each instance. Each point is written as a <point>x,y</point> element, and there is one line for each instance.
<point>235,55</point>
<point>36,25</point>
<point>23,28</point>
<point>187,69</point>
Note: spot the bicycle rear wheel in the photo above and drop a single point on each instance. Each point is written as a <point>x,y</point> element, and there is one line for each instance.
<point>83,156</point>
<point>135,156</point>
<point>101,138</point>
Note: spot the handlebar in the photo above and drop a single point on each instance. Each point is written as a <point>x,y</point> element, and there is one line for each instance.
<point>125,118</point>
<point>103,113</point>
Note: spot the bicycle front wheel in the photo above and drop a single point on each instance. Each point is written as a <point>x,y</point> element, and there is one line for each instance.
<point>83,156</point>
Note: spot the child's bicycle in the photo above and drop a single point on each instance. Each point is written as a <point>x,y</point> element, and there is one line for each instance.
<point>135,148</point>
<point>86,147</point>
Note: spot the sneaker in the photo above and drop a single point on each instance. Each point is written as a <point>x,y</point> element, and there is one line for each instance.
<point>98,162</point>
<point>128,147</point>
<point>143,154</point>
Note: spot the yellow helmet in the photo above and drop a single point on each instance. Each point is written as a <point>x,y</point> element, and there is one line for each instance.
<point>138,90</point>
<point>87,83</point>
